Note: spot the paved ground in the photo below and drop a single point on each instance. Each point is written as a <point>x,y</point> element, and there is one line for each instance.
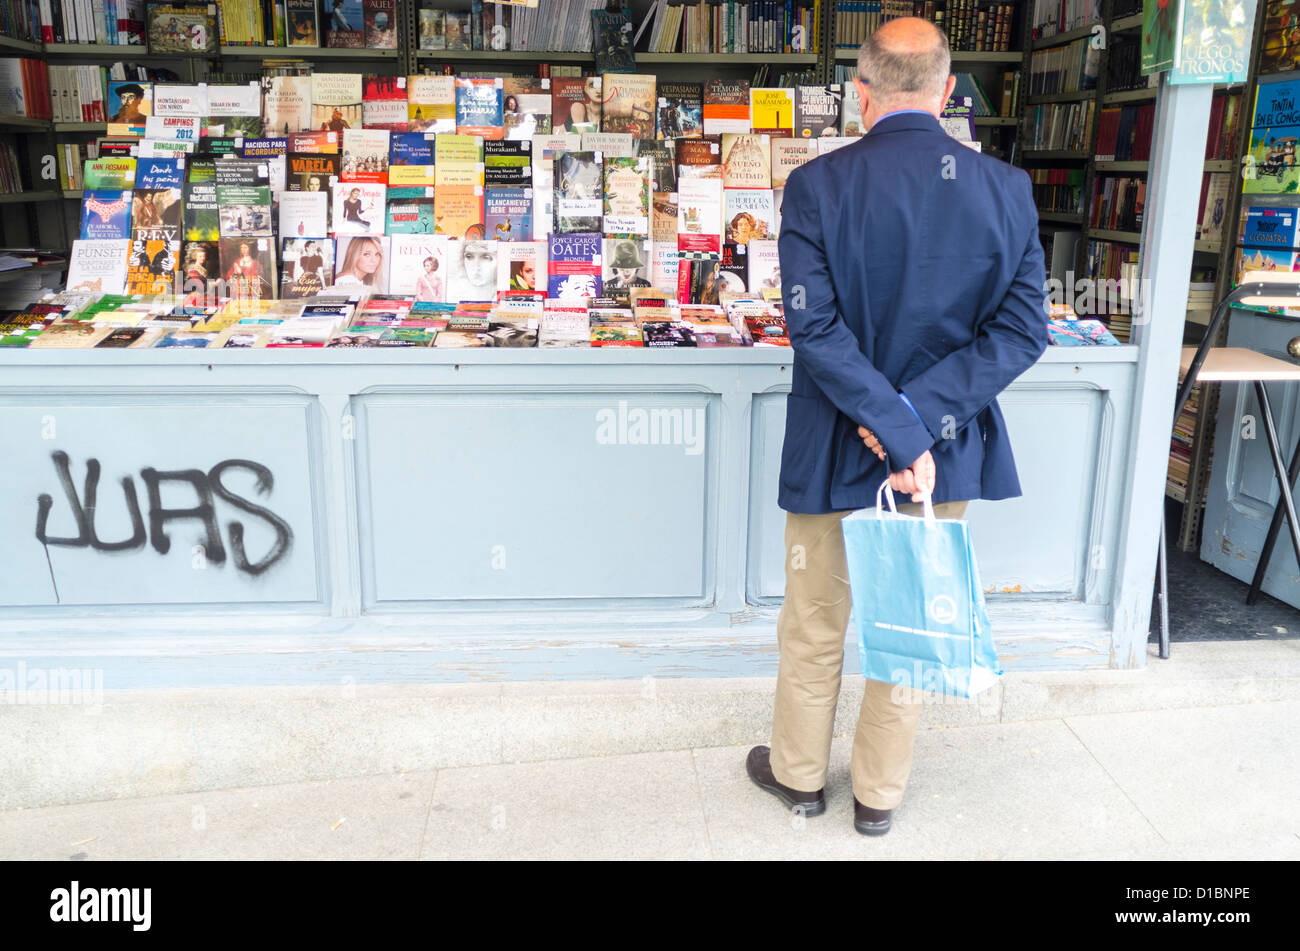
<point>1205,782</point>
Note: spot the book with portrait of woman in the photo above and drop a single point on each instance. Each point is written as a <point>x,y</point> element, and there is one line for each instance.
<point>306,266</point>
<point>419,268</point>
<point>359,208</point>
<point>526,107</point>
<point>472,269</point>
<point>361,263</point>
<point>522,266</point>
<point>248,267</point>
<point>200,267</point>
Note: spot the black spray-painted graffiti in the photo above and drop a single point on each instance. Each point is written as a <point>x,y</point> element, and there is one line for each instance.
<point>206,485</point>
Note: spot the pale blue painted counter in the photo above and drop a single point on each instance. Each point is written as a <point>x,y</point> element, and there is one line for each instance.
<point>511,514</point>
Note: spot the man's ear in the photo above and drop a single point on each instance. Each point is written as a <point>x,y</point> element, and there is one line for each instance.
<point>947,90</point>
<point>864,93</point>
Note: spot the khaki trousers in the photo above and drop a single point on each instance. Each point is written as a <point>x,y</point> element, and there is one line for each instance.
<point>810,630</point>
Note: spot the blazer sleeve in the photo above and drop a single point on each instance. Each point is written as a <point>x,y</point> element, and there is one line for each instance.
<point>952,392</point>
<point>823,342</point>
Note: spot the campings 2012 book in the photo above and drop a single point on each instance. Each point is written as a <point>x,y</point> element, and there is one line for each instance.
<point>578,194</point>
<point>628,104</point>
<point>681,110</point>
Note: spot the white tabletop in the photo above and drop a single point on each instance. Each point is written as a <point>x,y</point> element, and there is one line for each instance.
<point>1238,364</point>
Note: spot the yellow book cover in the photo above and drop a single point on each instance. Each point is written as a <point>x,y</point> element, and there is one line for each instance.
<point>772,111</point>
<point>458,211</point>
<point>412,175</point>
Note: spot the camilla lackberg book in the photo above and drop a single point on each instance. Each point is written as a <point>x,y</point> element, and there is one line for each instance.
<point>573,271</point>
<point>577,199</point>
<point>479,107</point>
<point>155,226</point>
<point>628,104</point>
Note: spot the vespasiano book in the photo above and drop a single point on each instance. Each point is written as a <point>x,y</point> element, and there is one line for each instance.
<point>681,111</point>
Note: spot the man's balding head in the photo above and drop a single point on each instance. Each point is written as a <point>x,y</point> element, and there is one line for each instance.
<point>906,64</point>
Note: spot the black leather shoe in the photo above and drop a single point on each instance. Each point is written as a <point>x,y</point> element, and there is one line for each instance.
<point>759,767</point>
<point>870,821</point>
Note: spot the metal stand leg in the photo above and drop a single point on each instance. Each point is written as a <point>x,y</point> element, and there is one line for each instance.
<point>1163,582</point>
<point>1266,553</point>
<point>1286,504</point>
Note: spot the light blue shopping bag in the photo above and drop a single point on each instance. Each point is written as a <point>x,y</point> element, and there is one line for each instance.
<point>917,601</point>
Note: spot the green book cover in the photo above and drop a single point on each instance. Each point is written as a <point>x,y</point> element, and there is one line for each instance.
<point>1160,26</point>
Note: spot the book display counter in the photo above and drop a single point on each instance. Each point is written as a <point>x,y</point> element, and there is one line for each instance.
<point>353,489</point>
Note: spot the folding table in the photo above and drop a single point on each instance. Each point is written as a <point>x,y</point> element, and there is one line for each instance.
<point>1209,364</point>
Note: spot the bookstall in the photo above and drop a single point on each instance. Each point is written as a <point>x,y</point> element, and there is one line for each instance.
<point>380,438</point>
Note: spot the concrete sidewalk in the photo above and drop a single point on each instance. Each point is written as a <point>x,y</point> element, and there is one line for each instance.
<point>1213,779</point>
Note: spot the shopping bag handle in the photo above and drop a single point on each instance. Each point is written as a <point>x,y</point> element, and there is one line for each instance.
<point>927,507</point>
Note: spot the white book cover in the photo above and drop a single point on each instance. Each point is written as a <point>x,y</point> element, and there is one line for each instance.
<point>169,100</point>
<point>287,105</point>
<point>175,128</point>
<point>663,268</point>
<point>472,269</point>
<point>235,100</point>
<point>851,112</point>
<point>335,89</point>
<point>699,214</point>
<point>564,325</point>
<point>358,208</point>
<point>522,267</point>
<point>304,214</point>
<point>544,149</point>
<point>155,148</point>
<point>419,266</point>
<point>98,267</point>
<point>361,262</point>
<point>829,143</point>
<point>626,263</point>
<point>764,266</point>
<point>612,144</point>
<point>787,155</point>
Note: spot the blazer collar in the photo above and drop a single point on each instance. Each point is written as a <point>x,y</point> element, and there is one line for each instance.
<point>908,121</point>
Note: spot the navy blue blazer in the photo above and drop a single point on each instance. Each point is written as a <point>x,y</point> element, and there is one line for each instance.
<point>910,263</point>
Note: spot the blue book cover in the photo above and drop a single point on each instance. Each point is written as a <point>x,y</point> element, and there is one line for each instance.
<point>159,173</point>
<point>1270,227</point>
<point>478,107</point>
<point>106,215</point>
<point>1277,104</point>
<point>508,211</point>
<point>574,268</point>
<point>410,148</point>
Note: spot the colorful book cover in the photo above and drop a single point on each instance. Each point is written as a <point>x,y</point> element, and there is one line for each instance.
<point>746,161</point>
<point>381,24</point>
<point>419,268</point>
<point>681,111</point>
<point>626,265</point>
<point>458,160</point>
<point>200,214</point>
<point>411,215</point>
<point>628,104</point>
<point>433,29</point>
<point>663,164</point>
<point>695,153</point>
<point>764,266</point>
<point>458,211</point>
<point>699,215</point>
<point>307,266</point>
<point>1160,22</point>
<point>383,103</point>
<point>508,212</point>
<point>575,104</point>
<point>479,107</point>
<point>525,107</point>
<point>359,208</point>
<point>345,24</point>
<point>733,269</point>
<point>303,23</point>
<point>1270,227</point>
<point>106,215</point>
<point>627,198</point>
<point>817,111</point>
<point>365,156</point>
<point>772,111</point>
<point>522,266</point>
<point>410,148</point>
<point>726,106</point>
<point>431,103</point>
<point>243,210</point>
<point>1272,168</point>
<point>574,266</point>
<point>508,162</point>
<point>577,198</point>
<point>129,104</point>
<point>200,266</point>
<point>335,101</point>
<point>153,262</point>
<point>181,28</point>
<point>361,262</point>
<point>115,173</point>
<point>310,172</point>
<point>748,214</point>
<point>315,142</point>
